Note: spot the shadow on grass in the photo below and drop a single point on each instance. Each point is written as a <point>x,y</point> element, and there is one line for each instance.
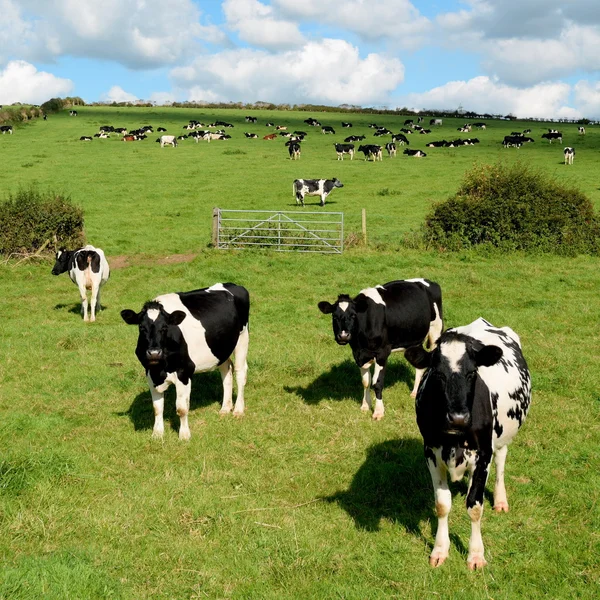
<point>207,389</point>
<point>76,308</point>
<point>343,381</point>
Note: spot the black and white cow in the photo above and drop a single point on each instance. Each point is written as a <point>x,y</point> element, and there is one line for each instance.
<point>85,138</point>
<point>294,150</point>
<point>89,270</point>
<point>385,319</point>
<point>472,400</point>
<point>512,141</point>
<point>400,138</point>
<point>391,149</point>
<point>552,136</point>
<point>314,187</point>
<point>72,113</point>
<point>191,332</point>
<point>346,124</point>
<point>252,136</point>
<point>342,149</point>
<point>415,153</point>
<point>435,121</point>
<point>6,129</point>
<point>355,138</point>
<point>581,130</point>
<point>569,155</point>
<point>250,119</point>
<point>327,129</point>
<point>371,152</point>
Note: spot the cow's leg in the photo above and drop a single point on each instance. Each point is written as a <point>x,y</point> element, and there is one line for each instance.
<point>158,404</point>
<point>378,376</point>
<point>479,474</point>
<point>182,404</point>
<point>94,300</point>
<point>241,370</point>
<point>500,499</point>
<point>365,374</point>
<point>84,300</point>
<point>227,376</point>
<point>443,505</point>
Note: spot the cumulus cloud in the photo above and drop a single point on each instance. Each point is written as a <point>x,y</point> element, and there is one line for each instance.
<point>118,94</point>
<point>587,98</point>
<point>329,71</point>
<point>138,34</point>
<point>257,24</point>
<point>485,95</point>
<point>20,81</point>
<point>372,20</point>
<point>161,98</point>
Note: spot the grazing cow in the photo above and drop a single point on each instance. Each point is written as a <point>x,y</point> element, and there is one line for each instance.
<point>391,149</point>
<point>191,332</point>
<point>342,149</point>
<point>409,122</point>
<point>167,140</point>
<point>415,153</point>
<point>371,152</point>
<point>346,124</point>
<point>400,139</point>
<point>552,136</point>
<point>327,129</point>
<point>294,150</point>
<point>569,155</point>
<point>88,269</point>
<point>314,187</point>
<point>85,138</point>
<point>514,141</point>
<point>252,136</point>
<point>73,113</point>
<point>581,130</point>
<point>384,319</point>
<point>250,119</point>
<point>473,398</point>
<point>435,121</point>
<point>355,138</point>
<point>271,136</point>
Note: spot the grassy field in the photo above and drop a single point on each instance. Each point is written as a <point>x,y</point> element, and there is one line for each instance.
<point>305,497</point>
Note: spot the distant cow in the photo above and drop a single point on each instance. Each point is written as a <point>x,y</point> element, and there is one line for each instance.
<point>355,138</point>
<point>88,269</point>
<point>159,129</point>
<point>342,149</point>
<point>192,332</point>
<point>250,119</point>
<point>346,124</point>
<point>130,138</point>
<point>435,121</point>
<point>6,129</point>
<point>401,139</point>
<point>167,140</point>
<point>281,127</point>
<point>552,136</point>
<point>271,136</point>
<point>391,149</point>
<point>472,400</point>
<point>581,130</point>
<point>314,187</point>
<point>513,141</point>
<point>371,152</point>
<point>252,136</point>
<point>294,150</point>
<point>384,319</point>
<point>73,113</point>
<point>569,155</point>
<point>85,138</point>
<point>327,129</point>
<point>415,153</point>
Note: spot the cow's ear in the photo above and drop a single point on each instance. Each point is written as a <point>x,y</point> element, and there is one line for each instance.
<point>488,356</point>
<point>130,317</point>
<point>176,317</point>
<point>418,357</point>
<point>325,307</point>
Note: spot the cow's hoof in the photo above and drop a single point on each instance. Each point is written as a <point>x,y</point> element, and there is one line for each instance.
<point>413,394</point>
<point>377,416</point>
<point>365,407</point>
<point>157,435</point>
<point>238,413</point>
<point>501,507</point>
<point>437,558</point>
<point>225,411</point>
<point>476,562</point>
<point>185,435</point>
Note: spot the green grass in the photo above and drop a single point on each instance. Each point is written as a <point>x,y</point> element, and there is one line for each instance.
<point>305,497</point>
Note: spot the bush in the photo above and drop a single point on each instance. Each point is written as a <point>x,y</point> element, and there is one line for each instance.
<point>514,208</point>
<point>29,219</point>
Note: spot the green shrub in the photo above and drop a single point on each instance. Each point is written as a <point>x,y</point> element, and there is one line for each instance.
<point>514,208</point>
<point>29,219</point>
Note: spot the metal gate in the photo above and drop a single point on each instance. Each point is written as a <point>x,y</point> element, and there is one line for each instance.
<point>282,231</point>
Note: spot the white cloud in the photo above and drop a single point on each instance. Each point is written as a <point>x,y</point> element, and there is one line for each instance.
<point>256,24</point>
<point>485,95</point>
<point>20,81</point>
<point>587,98</point>
<point>118,94</point>
<point>373,20</point>
<point>161,98</point>
<point>329,71</point>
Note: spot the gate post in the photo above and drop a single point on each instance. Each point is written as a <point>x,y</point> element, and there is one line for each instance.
<point>215,228</point>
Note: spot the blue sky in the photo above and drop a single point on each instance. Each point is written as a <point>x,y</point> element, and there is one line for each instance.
<point>529,57</point>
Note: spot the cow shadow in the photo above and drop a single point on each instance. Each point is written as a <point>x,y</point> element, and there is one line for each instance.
<point>76,308</point>
<point>394,484</point>
<point>343,381</point>
<point>207,389</point>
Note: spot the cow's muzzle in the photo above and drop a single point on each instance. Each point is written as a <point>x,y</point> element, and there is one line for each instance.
<point>458,422</point>
<point>154,356</point>
<point>343,338</point>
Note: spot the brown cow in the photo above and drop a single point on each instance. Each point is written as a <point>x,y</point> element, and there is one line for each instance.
<point>271,136</point>
<point>130,138</point>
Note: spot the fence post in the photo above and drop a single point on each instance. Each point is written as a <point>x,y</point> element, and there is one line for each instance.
<point>364,226</point>
<point>215,228</point>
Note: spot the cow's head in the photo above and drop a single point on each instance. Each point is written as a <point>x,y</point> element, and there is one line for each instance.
<point>453,374</point>
<point>154,324</point>
<point>344,314</point>
<point>62,262</point>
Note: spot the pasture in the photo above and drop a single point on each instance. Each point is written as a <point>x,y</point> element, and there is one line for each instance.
<point>305,496</point>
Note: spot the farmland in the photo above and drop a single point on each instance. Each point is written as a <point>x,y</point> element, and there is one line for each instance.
<point>305,497</point>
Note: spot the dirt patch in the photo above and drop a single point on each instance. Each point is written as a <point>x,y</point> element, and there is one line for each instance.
<point>118,262</point>
<point>175,259</point>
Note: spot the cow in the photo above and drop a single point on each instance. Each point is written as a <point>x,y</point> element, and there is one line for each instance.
<point>406,131</point>
<point>89,270</point>
<point>167,140</point>
<point>480,125</point>
<point>191,332</point>
<point>472,400</point>
<point>401,139</point>
<point>130,138</point>
<point>371,151</point>
<point>102,135</point>
<point>425,131</point>
<point>342,149</point>
<point>269,124</point>
<point>314,187</point>
<point>355,138</point>
<point>312,122</point>
<point>382,131</point>
<point>252,136</point>
<point>294,150</point>
<point>160,129</point>
<point>346,124</point>
<point>271,136</point>
<point>438,144</point>
<point>552,136</point>
<point>569,155</point>
<point>514,141</point>
<point>384,319</point>
<point>435,121</point>
<point>391,149</point>
<point>581,130</point>
<point>72,113</point>
<point>281,127</point>
<point>250,119</point>
<point>327,129</point>
<point>415,153</point>
<point>85,138</point>
<point>409,122</point>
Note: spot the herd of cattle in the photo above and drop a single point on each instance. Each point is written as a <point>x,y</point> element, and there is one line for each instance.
<point>472,384</point>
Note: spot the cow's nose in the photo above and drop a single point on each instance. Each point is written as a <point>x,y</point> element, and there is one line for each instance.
<point>154,354</point>
<point>458,420</point>
<point>344,336</point>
